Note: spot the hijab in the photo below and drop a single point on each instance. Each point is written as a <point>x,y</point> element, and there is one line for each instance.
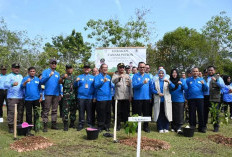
<point>164,71</point>
<point>225,77</point>
<point>175,80</point>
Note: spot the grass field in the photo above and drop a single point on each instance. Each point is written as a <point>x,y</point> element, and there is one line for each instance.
<point>74,143</point>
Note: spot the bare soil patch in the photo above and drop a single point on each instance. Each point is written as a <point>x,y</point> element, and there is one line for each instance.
<point>219,139</point>
<point>147,144</point>
<point>31,143</point>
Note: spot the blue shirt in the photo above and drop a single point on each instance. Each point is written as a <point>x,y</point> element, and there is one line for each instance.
<point>14,91</point>
<point>178,94</point>
<point>52,86</point>
<point>141,91</point>
<point>2,81</point>
<point>85,86</point>
<point>195,88</point>
<point>103,88</point>
<point>32,88</point>
<point>220,83</point>
<point>227,97</point>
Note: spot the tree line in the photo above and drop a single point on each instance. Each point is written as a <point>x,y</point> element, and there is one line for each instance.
<point>182,48</point>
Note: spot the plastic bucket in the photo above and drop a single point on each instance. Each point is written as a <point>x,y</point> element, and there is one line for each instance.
<point>92,133</point>
<point>188,132</point>
<point>22,131</point>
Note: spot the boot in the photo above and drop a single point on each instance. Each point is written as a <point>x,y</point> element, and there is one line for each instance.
<point>54,127</point>
<point>11,128</point>
<point>65,126</point>
<point>72,125</point>
<point>45,129</point>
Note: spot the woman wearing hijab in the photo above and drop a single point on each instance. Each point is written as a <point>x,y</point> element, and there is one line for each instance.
<point>177,87</point>
<point>162,102</point>
<point>227,94</point>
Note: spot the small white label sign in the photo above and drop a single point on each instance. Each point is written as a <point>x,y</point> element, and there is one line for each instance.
<point>1,120</point>
<point>139,119</point>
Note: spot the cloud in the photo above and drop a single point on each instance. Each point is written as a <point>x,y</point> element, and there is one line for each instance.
<point>119,6</point>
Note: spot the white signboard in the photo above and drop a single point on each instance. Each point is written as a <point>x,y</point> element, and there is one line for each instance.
<point>139,119</point>
<point>112,56</point>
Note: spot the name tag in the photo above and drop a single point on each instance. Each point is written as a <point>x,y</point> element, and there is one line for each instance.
<point>37,82</point>
<point>86,85</point>
<point>56,76</point>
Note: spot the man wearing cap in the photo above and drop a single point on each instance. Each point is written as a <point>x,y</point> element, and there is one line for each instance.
<point>123,93</point>
<point>50,78</point>
<point>69,101</point>
<point>14,96</point>
<point>103,85</point>
<point>3,90</point>
<point>32,86</point>
<point>85,92</point>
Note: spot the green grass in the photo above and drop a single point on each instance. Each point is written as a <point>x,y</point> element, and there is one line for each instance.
<point>74,143</point>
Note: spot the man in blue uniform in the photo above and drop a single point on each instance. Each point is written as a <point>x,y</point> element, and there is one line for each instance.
<point>196,88</point>
<point>31,84</point>
<point>14,96</point>
<point>85,92</point>
<point>102,84</point>
<point>50,78</point>
<point>3,90</point>
<point>141,89</point>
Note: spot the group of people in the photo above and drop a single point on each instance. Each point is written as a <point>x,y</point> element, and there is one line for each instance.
<point>92,93</point>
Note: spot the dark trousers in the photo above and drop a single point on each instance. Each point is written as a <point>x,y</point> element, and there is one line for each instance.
<point>123,111</point>
<point>3,96</point>
<point>61,107</point>
<point>42,103</point>
<point>151,105</point>
<point>142,108</point>
<point>133,106</point>
<point>29,105</point>
<point>228,104</point>
<point>162,122</point>
<point>196,105</point>
<point>93,112</point>
<point>11,110</point>
<point>51,101</point>
<point>177,115</point>
<point>103,114</point>
<point>207,105</point>
<point>85,105</point>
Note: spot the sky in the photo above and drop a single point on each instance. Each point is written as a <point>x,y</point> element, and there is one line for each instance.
<point>49,18</point>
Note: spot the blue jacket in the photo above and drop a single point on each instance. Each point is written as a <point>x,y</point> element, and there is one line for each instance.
<point>178,94</point>
<point>103,88</point>
<point>52,85</point>
<point>141,91</point>
<point>195,88</point>
<point>14,91</point>
<point>227,97</point>
<point>2,81</point>
<point>220,83</point>
<point>32,88</point>
<point>83,92</point>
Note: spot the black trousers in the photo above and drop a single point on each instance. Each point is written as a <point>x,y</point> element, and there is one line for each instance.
<point>93,111</point>
<point>123,111</point>
<point>3,96</point>
<point>29,105</point>
<point>142,108</point>
<point>85,105</point>
<point>104,114</point>
<point>196,105</point>
<point>177,115</point>
<point>228,104</point>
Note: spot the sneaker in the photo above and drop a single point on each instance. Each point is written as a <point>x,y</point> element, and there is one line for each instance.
<point>166,131</point>
<point>231,118</point>
<point>172,130</point>
<point>179,130</point>
<point>161,131</point>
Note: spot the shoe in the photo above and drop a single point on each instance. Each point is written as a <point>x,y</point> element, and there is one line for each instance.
<point>11,128</point>
<point>202,130</point>
<point>118,127</point>
<point>54,127</point>
<point>215,129</point>
<point>231,118</point>
<point>172,130</point>
<point>65,126</point>
<point>166,131</point>
<point>29,134</point>
<point>80,127</point>
<point>179,130</point>
<point>146,129</point>
<point>71,125</point>
<point>45,129</point>
<point>161,131</point>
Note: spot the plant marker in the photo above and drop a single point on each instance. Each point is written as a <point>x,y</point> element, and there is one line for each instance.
<point>139,120</point>
<point>115,121</point>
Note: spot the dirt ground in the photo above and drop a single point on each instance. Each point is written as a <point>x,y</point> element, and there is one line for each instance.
<point>220,139</point>
<point>147,144</point>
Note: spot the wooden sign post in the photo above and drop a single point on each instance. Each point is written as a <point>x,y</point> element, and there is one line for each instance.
<point>139,120</point>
